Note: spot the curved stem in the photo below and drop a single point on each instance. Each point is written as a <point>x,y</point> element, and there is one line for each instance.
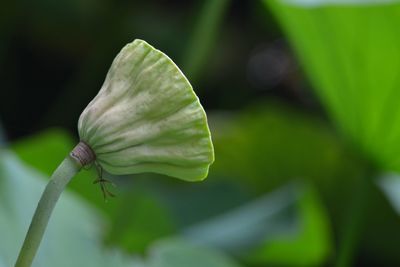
<point>60,178</point>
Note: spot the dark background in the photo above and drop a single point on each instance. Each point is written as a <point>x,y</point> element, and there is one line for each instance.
<point>54,56</point>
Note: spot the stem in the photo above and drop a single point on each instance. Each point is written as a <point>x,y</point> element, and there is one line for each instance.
<point>60,178</point>
<point>354,225</point>
<point>80,156</point>
<point>204,37</point>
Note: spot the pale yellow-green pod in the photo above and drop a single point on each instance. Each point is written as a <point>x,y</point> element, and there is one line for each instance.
<point>147,118</point>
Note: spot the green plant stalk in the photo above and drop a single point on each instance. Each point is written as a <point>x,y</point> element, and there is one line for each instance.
<point>203,38</point>
<point>68,168</point>
<point>354,225</point>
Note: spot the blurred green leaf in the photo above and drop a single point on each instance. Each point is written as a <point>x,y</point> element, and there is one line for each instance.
<point>309,246</point>
<point>268,145</point>
<point>187,200</point>
<point>140,219</point>
<point>72,236</point>
<point>178,253</point>
<point>45,150</point>
<point>248,225</point>
<point>289,227</point>
<point>351,53</point>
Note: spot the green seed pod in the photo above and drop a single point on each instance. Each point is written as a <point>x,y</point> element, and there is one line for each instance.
<point>146,118</point>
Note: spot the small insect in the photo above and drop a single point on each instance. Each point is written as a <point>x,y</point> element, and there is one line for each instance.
<point>103,182</point>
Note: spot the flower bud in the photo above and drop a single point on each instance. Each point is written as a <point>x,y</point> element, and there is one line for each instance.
<point>146,118</point>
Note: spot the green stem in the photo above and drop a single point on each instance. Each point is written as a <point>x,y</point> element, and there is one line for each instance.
<point>204,36</point>
<point>60,178</point>
<point>354,225</point>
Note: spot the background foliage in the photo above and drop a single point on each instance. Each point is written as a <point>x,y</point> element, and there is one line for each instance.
<point>300,179</point>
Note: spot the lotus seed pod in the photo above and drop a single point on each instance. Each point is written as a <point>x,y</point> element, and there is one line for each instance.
<point>146,118</point>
